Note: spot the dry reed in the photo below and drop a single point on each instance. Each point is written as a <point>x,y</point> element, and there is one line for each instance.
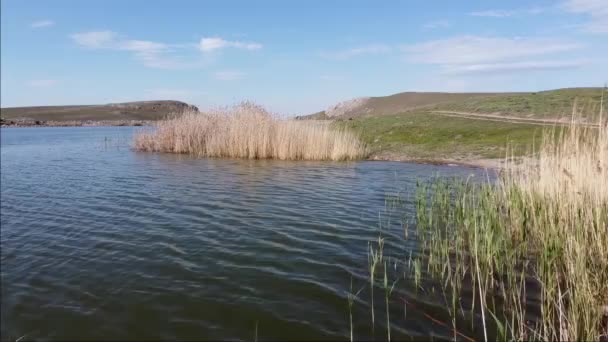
<point>248,131</point>
<point>545,222</point>
<point>565,193</point>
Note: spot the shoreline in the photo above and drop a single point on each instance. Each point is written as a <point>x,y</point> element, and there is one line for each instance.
<point>88,123</point>
<point>490,164</point>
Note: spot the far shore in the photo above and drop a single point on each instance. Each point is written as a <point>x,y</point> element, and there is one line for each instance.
<point>87,123</point>
<point>494,164</point>
<point>485,163</point>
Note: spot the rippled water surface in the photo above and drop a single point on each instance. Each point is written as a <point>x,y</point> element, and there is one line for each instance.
<point>102,242</point>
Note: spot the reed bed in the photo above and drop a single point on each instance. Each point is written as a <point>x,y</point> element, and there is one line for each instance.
<point>248,131</point>
<point>533,246</point>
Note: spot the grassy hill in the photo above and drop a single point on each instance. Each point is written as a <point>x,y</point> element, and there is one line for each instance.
<point>142,110</point>
<point>430,136</point>
<point>468,127</point>
<point>396,103</point>
<point>545,104</point>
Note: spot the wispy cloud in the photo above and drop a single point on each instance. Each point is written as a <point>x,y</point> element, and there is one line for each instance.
<point>157,54</point>
<point>228,75</point>
<point>436,24</point>
<point>95,39</point>
<point>595,10</point>
<point>42,24</point>
<point>503,13</point>
<point>373,49</point>
<point>41,83</point>
<point>216,43</point>
<point>490,54</point>
<point>152,54</point>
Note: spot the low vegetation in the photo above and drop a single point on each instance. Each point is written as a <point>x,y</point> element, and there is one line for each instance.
<point>521,257</point>
<point>248,131</point>
<point>552,104</point>
<point>474,128</point>
<point>541,230</point>
<point>424,135</point>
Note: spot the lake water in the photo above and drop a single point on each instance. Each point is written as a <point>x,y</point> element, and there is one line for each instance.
<point>101,242</point>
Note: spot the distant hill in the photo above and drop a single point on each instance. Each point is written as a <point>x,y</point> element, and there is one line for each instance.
<point>141,110</point>
<point>396,103</point>
<point>551,103</point>
<point>466,128</point>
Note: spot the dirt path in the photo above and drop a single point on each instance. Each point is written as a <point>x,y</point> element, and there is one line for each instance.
<point>508,119</point>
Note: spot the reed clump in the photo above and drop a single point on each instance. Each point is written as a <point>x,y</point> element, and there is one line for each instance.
<point>533,246</point>
<point>248,131</point>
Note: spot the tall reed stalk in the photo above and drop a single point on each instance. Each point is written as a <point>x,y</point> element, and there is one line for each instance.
<point>249,131</point>
<point>374,258</point>
<point>542,228</point>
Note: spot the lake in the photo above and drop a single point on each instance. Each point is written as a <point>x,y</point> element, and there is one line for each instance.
<point>101,242</point>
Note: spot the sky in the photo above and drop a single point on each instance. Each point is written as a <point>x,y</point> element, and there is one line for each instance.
<point>293,57</point>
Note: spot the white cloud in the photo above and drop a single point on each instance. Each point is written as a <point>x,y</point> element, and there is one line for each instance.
<point>489,54</point>
<point>151,54</point>
<point>156,54</point>
<point>374,49</point>
<point>142,46</point>
<point>215,43</point>
<point>493,13</point>
<point>596,10</point>
<point>42,24</point>
<point>95,39</point>
<point>436,24</point>
<point>502,13</point>
<point>476,49</point>
<point>228,75</point>
<point>41,83</point>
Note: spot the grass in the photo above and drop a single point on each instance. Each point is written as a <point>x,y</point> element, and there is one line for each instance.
<point>248,131</point>
<point>426,135</point>
<point>522,257</point>
<point>545,104</point>
<point>422,134</point>
<point>543,226</point>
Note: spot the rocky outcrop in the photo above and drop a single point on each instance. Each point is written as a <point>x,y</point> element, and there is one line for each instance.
<point>346,107</point>
<point>339,110</point>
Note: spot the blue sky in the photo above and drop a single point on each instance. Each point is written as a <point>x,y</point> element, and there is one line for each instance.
<point>293,56</point>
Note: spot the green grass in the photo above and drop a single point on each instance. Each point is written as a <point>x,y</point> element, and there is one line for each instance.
<point>420,135</point>
<point>509,257</point>
<point>545,104</point>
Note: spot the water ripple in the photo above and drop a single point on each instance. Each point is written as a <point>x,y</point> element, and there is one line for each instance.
<point>100,243</point>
